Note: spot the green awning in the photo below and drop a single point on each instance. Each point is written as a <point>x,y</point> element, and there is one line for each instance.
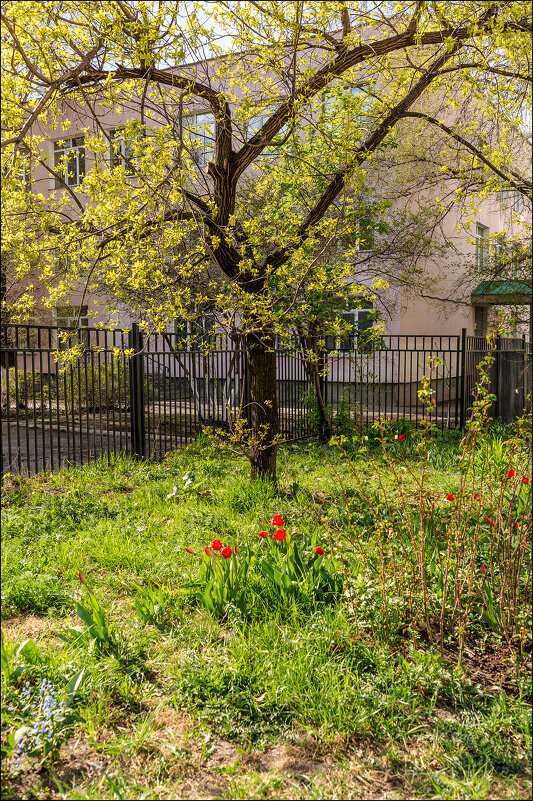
<point>503,292</point>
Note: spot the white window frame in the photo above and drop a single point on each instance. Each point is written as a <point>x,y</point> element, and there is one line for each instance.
<point>202,142</point>
<point>204,327</point>
<point>357,314</point>
<point>62,150</point>
<point>254,125</point>
<point>482,246</point>
<point>512,199</point>
<point>122,151</point>
<point>354,91</point>
<point>68,317</point>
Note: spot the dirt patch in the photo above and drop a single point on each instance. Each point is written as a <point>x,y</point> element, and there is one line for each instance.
<point>28,627</point>
<point>170,724</point>
<point>294,760</point>
<point>77,764</point>
<point>496,666</point>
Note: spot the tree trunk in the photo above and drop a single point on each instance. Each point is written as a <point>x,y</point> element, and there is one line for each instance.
<point>262,409</point>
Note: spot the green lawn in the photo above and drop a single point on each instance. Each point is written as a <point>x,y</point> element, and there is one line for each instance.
<point>292,699</point>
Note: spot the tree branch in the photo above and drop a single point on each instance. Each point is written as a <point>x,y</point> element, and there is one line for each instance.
<point>343,62</point>
<point>363,152</point>
<point>513,178</point>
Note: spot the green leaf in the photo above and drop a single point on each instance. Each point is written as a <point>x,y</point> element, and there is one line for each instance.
<point>84,615</point>
<point>6,665</point>
<point>73,686</point>
<point>29,652</point>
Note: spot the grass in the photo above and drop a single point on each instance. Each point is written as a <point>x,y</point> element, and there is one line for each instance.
<point>298,702</point>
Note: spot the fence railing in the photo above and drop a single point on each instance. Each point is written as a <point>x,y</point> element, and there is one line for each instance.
<point>123,392</point>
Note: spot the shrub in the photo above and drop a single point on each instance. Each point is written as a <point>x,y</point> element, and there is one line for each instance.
<point>457,560</point>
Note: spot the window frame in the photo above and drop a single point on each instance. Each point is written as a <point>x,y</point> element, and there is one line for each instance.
<point>125,157</point>
<point>75,319</point>
<point>195,333</point>
<point>201,154</point>
<point>272,149</point>
<point>348,342</point>
<point>482,237</point>
<point>512,199</point>
<point>62,161</point>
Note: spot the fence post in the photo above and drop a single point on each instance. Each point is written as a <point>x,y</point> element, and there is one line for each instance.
<point>137,422</point>
<point>246,408</point>
<point>462,385</point>
<point>497,367</point>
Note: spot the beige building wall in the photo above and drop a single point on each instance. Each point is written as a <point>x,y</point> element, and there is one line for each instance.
<point>445,308</point>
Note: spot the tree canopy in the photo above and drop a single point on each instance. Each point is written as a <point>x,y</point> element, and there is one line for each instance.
<point>261,147</point>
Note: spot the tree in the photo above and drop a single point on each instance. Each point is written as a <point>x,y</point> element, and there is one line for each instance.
<point>239,210</point>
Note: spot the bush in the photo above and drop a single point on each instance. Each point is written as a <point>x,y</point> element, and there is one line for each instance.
<point>457,560</point>
<point>82,386</point>
<point>19,388</point>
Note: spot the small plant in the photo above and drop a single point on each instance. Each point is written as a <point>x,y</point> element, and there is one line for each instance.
<point>149,603</point>
<point>223,573</point>
<point>292,575</point>
<point>16,661</point>
<point>456,561</point>
<point>95,629</point>
<point>50,717</point>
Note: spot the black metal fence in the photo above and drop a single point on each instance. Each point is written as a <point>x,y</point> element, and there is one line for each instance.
<point>510,374</point>
<point>122,392</point>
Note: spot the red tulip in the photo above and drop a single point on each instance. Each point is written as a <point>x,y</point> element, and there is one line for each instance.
<point>189,550</point>
<point>264,534</point>
<point>226,552</point>
<point>320,551</point>
<point>483,569</point>
<point>277,520</point>
<point>432,504</point>
<point>82,578</point>
<point>216,545</point>
<point>511,473</point>
<point>280,534</point>
<point>401,437</point>
<point>450,497</point>
<point>208,551</point>
<point>477,497</point>
<point>525,480</point>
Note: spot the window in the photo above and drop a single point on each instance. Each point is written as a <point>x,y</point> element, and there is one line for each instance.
<point>192,335</point>
<point>26,174</point>
<point>355,322</point>
<point>482,246</point>
<point>69,317</point>
<point>480,320</point>
<point>69,161</point>
<point>201,128</point>
<point>338,110</point>
<point>24,170</point>
<point>256,123</point>
<point>72,317</point>
<point>361,223</point>
<point>122,150</point>
<point>512,199</point>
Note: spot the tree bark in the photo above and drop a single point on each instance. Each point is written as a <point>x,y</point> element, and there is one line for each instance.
<point>263,404</point>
